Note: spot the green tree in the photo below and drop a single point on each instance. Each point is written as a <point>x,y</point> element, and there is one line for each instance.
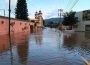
<point>51,24</point>
<point>70,19</point>
<point>21,11</point>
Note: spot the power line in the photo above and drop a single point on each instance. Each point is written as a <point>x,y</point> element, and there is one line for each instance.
<point>68,3</point>
<point>74,4</point>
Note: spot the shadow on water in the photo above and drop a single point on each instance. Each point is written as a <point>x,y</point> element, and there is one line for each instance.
<point>39,38</point>
<point>8,45</point>
<point>78,43</point>
<point>21,43</point>
<point>22,50</point>
<point>11,53</point>
<point>70,41</point>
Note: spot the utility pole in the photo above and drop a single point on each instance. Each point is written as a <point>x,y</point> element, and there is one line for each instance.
<point>60,13</point>
<point>4,13</point>
<point>59,27</point>
<point>11,53</point>
<point>9,15</point>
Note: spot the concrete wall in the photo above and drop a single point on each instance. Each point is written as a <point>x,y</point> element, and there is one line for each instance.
<point>81,26</point>
<point>17,26</point>
<point>87,22</point>
<point>81,23</point>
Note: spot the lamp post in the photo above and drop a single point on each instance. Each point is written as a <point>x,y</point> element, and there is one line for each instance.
<point>3,11</point>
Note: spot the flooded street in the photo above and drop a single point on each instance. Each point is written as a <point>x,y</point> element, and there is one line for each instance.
<point>48,47</point>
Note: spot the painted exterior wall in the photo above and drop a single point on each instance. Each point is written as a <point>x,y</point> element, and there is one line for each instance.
<point>81,23</point>
<point>81,26</point>
<point>39,19</point>
<point>40,24</point>
<point>17,26</point>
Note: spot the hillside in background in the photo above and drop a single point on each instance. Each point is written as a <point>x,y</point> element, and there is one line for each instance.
<point>54,20</point>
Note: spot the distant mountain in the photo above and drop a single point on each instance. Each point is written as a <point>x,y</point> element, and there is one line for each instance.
<point>54,20</point>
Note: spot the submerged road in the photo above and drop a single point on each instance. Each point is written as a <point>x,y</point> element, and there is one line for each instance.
<point>48,47</point>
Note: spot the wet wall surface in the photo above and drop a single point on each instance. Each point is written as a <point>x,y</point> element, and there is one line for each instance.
<point>47,47</point>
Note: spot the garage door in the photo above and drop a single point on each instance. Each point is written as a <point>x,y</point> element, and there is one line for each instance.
<point>87,27</point>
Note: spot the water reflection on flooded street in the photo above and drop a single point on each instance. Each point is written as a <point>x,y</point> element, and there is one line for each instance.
<point>48,47</point>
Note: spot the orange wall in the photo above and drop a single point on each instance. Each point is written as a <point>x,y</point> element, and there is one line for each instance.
<point>18,27</point>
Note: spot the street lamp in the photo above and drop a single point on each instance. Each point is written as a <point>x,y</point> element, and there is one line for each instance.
<point>3,11</point>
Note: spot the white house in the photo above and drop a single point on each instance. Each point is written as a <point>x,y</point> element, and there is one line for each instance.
<point>84,20</point>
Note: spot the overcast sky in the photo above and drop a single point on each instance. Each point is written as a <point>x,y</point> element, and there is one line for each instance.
<point>48,7</point>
